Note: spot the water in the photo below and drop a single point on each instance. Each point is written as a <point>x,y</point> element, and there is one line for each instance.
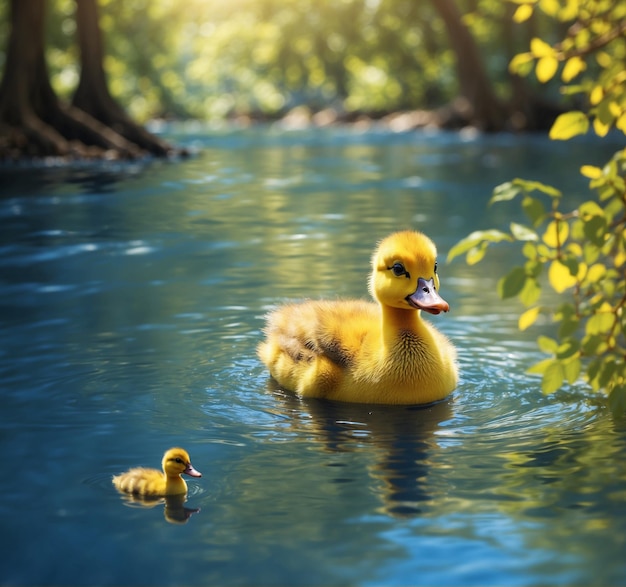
<point>131,302</point>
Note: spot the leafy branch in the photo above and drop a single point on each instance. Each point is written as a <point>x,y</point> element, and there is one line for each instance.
<point>596,40</point>
<point>584,251</point>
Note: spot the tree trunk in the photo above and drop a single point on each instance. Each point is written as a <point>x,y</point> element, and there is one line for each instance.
<point>33,123</point>
<point>25,91</point>
<point>92,94</point>
<point>483,109</point>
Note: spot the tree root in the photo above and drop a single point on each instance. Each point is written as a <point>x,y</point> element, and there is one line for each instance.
<point>105,111</point>
<point>70,133</point>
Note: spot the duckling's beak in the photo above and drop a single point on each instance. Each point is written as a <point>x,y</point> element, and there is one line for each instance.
<point>191,471</point>
<point>426,297</point>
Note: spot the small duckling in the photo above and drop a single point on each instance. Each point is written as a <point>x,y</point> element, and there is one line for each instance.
<point>357,351</point>
<point>154,483</point>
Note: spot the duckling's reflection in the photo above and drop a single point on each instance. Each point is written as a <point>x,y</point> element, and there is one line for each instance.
<point>403,438</point>
<point>174,511</point>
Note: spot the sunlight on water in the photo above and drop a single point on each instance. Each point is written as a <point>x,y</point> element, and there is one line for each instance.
<point>132,301</point>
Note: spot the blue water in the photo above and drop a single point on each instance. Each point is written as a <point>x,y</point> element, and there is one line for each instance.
<point>132,299</point>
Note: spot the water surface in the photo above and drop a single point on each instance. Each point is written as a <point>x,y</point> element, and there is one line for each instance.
<point>131,302</point>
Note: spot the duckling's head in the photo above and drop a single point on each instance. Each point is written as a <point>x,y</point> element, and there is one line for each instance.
<point>176,461</point>
<point>404,273</point>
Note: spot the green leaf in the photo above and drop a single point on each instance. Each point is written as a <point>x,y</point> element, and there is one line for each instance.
<point>530,186</point>
<point>565,311</point>
<point>603,112</point>
<point>567,348</point>
<point>522,64</point>
<point>533,268</point>
<point>607,370</point>
<point>529,251</point>
<point>552,378</point>
<point>475,254</point>
<point>523,233</point>
<point>593,369</point>
<point>531,292</point>
<point>608,285</point>
<point>556,233</point>
<point>591,344</point>
<point>621,122</point>
<point>560,277</point>
<point>568,327</point>
<point>571,263</point>
<point>590,208</point>
<point>617,400</point>
<point>528,318</point>
<point>619,184</point>
<point>595,273</point>
<point>572,89</point>
<point>504,192</point>
<point>595,228</point>
<point>475,238</point>
<point>604,192</point>
<point>591,253</point>
<point>534,209</point>
<point>571,370</point>
<point>547,344</point>
<point>512,283</point>
<point>544,251</point>
<point>578,230</point>
<point>540,367</point>
<point>600,323</point>
<point>569,125</point>
<point>614,208</point>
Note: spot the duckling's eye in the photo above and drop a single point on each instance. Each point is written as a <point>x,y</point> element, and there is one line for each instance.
<point>435,266</point>
<point>179,461</point>
<point>398,270</point>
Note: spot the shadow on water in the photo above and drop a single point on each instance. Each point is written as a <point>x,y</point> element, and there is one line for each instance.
<point>90,177</point>
<point>402,438</point>
<point>174,510</point>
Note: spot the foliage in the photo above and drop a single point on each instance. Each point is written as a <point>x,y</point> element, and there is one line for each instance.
<point>251,57</point>
<point>207,59</point>
<point>582,252</point>
<point>595,44</point>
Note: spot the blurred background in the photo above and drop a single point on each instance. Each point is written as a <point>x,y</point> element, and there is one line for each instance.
<point>210,60</point>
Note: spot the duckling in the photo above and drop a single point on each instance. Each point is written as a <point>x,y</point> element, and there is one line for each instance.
<point>154,483</point>
<point>358,351</point>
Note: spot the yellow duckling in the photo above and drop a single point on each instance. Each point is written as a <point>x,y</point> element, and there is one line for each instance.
<point>357,351</point>
<point>154,483</point>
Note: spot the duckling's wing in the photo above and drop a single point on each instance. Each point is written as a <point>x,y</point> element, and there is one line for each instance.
<point>331,329</point>
<point>140,481</point>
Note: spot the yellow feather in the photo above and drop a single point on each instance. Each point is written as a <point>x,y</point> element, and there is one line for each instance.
<point>357,351</point>
<point>154,483</point>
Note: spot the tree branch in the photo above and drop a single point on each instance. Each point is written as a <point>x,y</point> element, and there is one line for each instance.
<point>595,44</point>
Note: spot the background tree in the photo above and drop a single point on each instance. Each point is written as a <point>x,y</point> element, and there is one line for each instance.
<point>261,59</point>
<point>32,119</point>
<point>482,108</point>
<point>92,94</point>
